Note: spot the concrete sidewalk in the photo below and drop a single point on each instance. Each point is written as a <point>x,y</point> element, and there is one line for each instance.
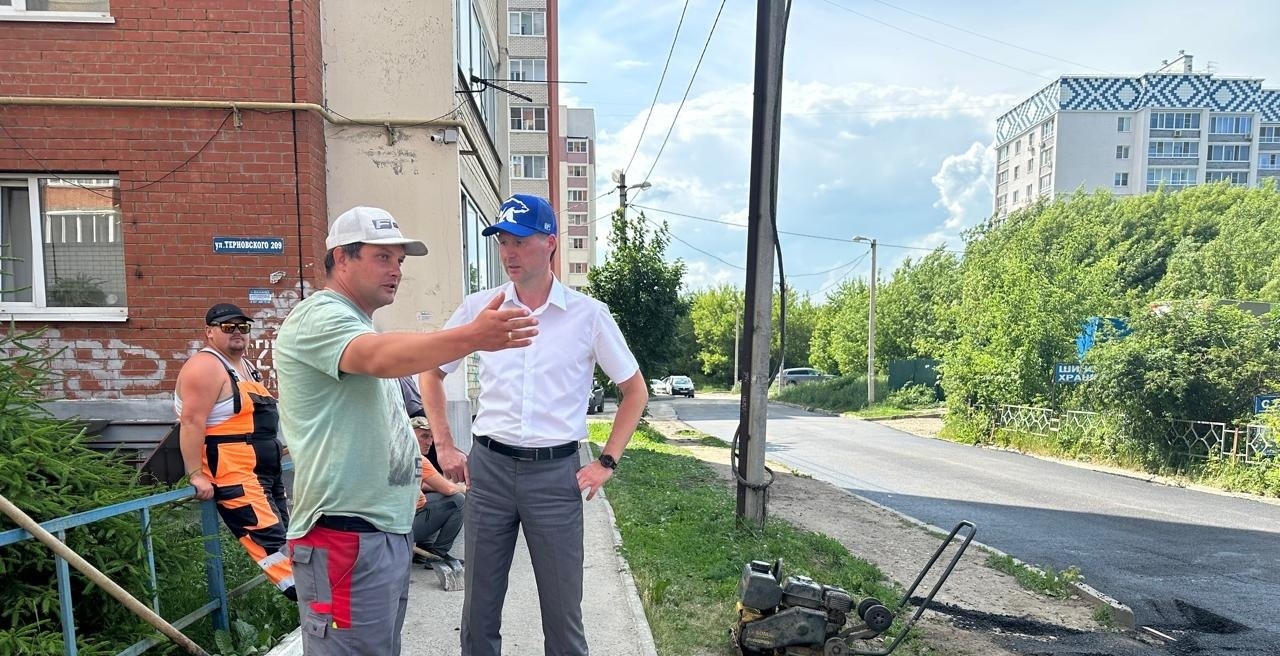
<point>615,621</point>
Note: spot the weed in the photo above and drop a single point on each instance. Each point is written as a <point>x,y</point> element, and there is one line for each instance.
<point>1043,580</point>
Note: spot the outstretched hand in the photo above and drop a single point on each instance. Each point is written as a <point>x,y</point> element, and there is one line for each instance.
<point>498,329</point>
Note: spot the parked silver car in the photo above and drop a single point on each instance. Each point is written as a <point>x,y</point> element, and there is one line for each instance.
<point>797,375</point>
<point>680,385</point>
<point>595,402</point>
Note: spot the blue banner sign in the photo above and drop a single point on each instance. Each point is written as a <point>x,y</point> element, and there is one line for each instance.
<point>252,245</point>
<point>1065,372</point>
<point>1263,401</point>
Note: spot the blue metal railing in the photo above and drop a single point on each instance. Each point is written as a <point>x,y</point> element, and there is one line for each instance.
<point>209,527</point>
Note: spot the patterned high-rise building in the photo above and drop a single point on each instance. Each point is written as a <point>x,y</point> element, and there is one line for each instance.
<point>578,229</point>
<point>1174,127</point>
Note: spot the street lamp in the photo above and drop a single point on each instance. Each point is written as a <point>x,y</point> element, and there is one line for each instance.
<point>871,323</point>
<point>620,177</point>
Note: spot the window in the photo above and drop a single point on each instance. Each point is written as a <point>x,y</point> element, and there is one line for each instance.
<point>1122,152</point>
<point>1016,170</point>
<point>1017,147</point>
<point>577,267</point>
<point>1029,194</point>
<point>1231,125</point>
<point>527,23</point>
<point>1121,180</point>
<point>577,195</point>
<point>528,119</point>
<point>478,251</point>
<point>1031,165</point>
<point>576,218</point>
<point>1002,155</point>
<point>1269,134</point>
<point>1175,121</point>
<point>91,11</point>
<point>475,56</point>
<point>1221,153</point>
<point>1234,177</point>
<point>1002,177</point>
<point>1046,157</point>
<point>529,70</point>
<point>1001,200</point>
<point>575,145</point>
<point>1170,177</point>
<point>577,170</point>
<point>577,243</point>
<point>1124,124</point>
<point>1175,149</point>
<point>1046,130</point>
<point>66,240</point>
<point>529,166</point>
<point>1046,184</point>
<point>1269,162</point>
<point>1015,195</point>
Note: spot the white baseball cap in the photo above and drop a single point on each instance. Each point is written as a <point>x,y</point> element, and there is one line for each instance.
<point>370,225</point>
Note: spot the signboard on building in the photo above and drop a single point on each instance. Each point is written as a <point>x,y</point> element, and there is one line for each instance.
<point>1263,401</point>
<point>249,245</point>
<point>1065,372</point>
<point>260,296</point>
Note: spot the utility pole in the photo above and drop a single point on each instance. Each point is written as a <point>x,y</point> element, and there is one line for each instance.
<point>871,331</point>
<point>766,120</point>
<point>737,337</point>
<point>620,177</point>
<point>871,324</point>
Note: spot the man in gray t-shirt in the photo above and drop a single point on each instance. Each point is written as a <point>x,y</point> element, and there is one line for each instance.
<point>355,457</point>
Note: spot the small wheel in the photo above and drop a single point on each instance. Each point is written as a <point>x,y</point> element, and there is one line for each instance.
<point>834,647</point>
<point>867,603</point>
<point>878,618</point>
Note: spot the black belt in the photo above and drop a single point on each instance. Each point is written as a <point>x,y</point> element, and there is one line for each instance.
<point>246,438</point>
<point>346,524</point>
<point>527,453</point>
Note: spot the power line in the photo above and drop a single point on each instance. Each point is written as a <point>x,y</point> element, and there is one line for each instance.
<point>661,78</point>
<point>936,42</point>
<point>715,257</point>
<point>787,232</point>
<point>679,107</point>
<point>837,281</point>
<point>989,38</point>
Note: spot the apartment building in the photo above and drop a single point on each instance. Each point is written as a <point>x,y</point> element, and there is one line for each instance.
<point>156,158</point>
<point>1170,128</point>
<point>578,176</point>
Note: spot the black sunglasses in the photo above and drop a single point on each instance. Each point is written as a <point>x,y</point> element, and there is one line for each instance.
<point>229,328</point>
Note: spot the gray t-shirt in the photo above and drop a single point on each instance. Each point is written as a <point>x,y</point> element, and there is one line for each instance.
<point>353,449</point>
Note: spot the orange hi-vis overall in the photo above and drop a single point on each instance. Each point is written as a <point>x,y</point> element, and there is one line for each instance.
<point>242,459</point>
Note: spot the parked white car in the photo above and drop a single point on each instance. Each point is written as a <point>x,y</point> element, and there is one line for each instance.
<point>798,375</point>
<point>680,385</point>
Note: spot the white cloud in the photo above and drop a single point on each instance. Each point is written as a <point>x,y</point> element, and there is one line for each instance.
<point>701,274</point>
<point>630,64</point>
<point>964,186</point>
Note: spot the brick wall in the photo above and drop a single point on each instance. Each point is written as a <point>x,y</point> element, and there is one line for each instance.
<point>240,181</point>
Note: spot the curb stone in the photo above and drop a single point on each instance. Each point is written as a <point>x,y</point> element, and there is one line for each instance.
<point>647,646</point>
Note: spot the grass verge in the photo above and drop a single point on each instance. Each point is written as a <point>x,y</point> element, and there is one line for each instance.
<point>1045,581</point>
<point>686,551</point>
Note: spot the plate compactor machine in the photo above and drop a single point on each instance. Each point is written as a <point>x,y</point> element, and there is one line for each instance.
<point>796,616</point>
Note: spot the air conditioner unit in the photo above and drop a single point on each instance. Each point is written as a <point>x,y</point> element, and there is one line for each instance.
<point>1248,137</point>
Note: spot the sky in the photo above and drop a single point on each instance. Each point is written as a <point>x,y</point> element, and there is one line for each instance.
<point>889,110</point>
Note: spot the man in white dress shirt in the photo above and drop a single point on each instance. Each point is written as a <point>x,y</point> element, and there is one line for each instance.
<point>533,415</point>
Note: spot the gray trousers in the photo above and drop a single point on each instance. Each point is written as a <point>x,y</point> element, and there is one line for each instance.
<point>543,498</point>
<point>437,525</point>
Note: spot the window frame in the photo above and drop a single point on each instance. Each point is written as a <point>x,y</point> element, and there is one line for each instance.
<point>1122,152</point>
<point>576,170</point>
<point>533,22</point>
<point>1120,180</point>
<point>523,63</point>
<point>576,218</point>
<point>1124,124</point>
<point>17,11</point>
<point>515,113</point>
<point>1269,134</point>
<point>578,243</point>
<point>571,142</point>
<point>523,165</point>
<point>38,308</point>
<point>584,266</point>
<point>572,192</point>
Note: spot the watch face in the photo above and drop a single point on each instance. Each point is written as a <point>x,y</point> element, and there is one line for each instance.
<point>608,461</point>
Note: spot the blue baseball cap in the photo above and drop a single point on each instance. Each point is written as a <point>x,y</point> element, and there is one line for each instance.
<point>523,215</point>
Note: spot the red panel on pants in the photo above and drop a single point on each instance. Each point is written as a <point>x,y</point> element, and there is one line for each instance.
<point>343,548</point>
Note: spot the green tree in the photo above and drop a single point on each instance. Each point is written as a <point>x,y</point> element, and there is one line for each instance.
<point>838,342</point>
<point>911,309</point>
<point>642,290</point>
<point>716,314</point>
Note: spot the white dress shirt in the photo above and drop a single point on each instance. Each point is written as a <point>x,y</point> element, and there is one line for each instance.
<point>537,396</point>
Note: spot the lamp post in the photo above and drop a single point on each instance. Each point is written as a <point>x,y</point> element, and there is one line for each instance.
<point>619,176</point>
<point>871,323</point>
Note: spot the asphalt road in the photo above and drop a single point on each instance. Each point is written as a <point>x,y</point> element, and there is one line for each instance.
<point>1202,566</point>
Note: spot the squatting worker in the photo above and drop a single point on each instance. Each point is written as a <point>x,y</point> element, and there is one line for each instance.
<point>356,462</point>
<point>524,470</point>
<point>227,432</point>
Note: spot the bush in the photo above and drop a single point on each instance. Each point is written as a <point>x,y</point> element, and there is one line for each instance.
<point>911,396</point>
<point>843,394</point>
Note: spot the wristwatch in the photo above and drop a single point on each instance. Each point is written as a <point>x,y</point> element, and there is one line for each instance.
<point>608,462</point>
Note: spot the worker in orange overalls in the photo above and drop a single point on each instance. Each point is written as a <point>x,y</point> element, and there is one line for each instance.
<point>229,447</point>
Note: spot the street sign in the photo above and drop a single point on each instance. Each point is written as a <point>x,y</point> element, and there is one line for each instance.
<point>1263,401</point>
<point>1065,372</point>
<point>260,296</point>
<point>250,245</point>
